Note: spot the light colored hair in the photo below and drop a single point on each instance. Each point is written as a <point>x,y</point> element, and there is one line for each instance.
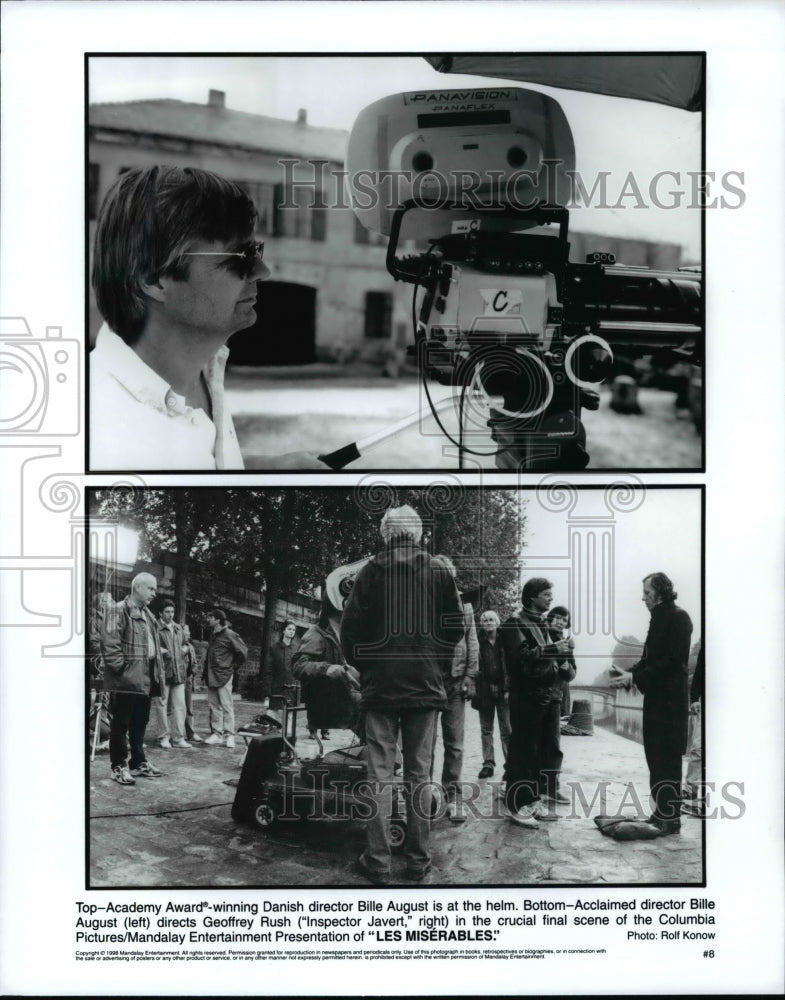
<point>401,522</point>
<point>140,577</point>
<point>490,614</point>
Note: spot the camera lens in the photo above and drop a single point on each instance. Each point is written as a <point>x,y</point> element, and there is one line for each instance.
<point>422,161</point>
<point>522,381</point>
<point>516,156</point>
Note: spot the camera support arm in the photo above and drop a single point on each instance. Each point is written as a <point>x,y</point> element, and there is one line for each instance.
<point>499,218</point>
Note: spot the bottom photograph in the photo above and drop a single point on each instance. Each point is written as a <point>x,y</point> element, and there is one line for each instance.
<point>395,686</point>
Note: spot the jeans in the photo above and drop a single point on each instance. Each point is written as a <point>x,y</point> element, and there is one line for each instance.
<point>221,707</point>
<point>189,708</point>
<point>500,709</point>
<point>534,755</point>
<point>452,724</point>
<point>167,713</point>
<point>130,713</point>
<point>416,728</point>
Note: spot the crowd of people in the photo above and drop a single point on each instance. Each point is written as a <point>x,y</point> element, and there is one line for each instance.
<point>396,656</point>
<point>413,642</point>
<point>147,666</point>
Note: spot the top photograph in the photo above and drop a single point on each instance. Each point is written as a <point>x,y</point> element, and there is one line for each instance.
<point>396,263</point>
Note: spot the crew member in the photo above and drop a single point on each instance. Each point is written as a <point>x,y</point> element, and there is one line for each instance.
<point>175,273</point>
<point>133,672</point>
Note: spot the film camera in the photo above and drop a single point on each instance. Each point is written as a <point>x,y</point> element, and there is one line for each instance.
<point>483,177</point>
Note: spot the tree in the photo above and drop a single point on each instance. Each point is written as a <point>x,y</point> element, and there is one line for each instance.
<point>288,540</point>
<point>483,532</point>
<point>169,519</point>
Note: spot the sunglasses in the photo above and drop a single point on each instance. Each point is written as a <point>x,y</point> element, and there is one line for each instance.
<point>245,260</point>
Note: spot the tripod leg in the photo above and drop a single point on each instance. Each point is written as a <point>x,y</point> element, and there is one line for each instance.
<point>97,705</point>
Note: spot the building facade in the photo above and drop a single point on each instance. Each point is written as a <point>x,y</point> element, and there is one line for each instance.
<point>330,296</point>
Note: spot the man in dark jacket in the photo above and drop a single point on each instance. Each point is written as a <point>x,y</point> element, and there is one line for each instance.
<point>400,623</point>
<point>661,675</point>
<point>329,685</point>
<point>133,672</point>
<point>536,665</point>
<point>226,652</point>
<point>190,659</point>
<point>168,711</point>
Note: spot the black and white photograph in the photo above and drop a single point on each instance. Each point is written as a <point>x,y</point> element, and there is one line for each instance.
<point>396,262</point>
<point>391,432</point>
<point>518,671</point>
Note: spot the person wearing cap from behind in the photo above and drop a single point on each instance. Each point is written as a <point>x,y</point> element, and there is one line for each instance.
<point>402,619</point>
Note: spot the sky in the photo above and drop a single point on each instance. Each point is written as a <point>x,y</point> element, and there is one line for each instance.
<point>611,134</point>
<point>659,532</point>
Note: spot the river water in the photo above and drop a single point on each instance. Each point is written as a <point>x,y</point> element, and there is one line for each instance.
<point>621,712</point>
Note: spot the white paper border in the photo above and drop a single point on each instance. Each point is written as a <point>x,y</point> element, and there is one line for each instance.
<point>42,279</point>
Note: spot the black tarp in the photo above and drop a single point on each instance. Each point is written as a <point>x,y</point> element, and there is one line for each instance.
<point>663,78</point>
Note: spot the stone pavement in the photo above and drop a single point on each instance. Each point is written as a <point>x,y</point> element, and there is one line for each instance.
<point>177,830</point>
<point>273,416</point>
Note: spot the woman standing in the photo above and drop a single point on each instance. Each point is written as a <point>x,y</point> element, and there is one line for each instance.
<point>558,620</point>
<point>280,679</point>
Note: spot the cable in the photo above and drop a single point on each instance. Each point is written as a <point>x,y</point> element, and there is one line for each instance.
<point>160,812</point>
<point>462,449</point>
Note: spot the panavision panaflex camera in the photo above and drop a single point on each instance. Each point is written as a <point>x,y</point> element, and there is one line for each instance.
<point>481,178</point>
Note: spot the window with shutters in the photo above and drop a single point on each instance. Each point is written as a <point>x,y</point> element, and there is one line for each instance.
<point>294,216</point>
<point>263,197</point>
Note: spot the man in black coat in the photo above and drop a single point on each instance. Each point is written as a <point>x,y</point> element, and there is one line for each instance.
<point>400,625</point>
<point>661,676</point>
<point>536,665</point>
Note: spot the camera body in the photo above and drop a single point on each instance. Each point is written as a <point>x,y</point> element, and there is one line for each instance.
<point>471,150</point>
<point>40,381</point>
<point>484,176</point>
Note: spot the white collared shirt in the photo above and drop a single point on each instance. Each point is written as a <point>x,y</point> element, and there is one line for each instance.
<point>137,421</point>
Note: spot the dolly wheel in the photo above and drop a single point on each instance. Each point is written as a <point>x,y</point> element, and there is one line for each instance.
<point>265,815</point>
<point>397,834</point>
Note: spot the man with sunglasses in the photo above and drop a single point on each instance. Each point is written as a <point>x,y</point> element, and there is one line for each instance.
<point>175,274</point>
